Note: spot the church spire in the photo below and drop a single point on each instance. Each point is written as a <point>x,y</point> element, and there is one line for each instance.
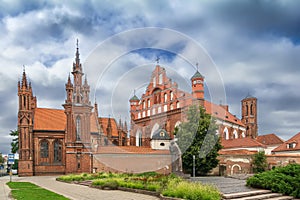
<point>24,79</point>
<point>77,64</point>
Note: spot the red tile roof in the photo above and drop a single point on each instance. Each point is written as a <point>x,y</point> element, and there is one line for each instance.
<point>269,139</point>
<point>283,147</point>
<point>103,121</point>
<point>49,119</point>
<point>220,113</point>
<point>236,152</point>
<point>240,142</point>
<point>130,150</point>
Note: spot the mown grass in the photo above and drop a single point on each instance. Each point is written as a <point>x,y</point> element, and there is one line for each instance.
<point>168,185</point>
<point>29,191</point>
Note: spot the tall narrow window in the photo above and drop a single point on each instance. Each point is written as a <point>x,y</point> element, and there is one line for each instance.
<point>148,102</point>
<point>165,97</point>
<point>251,109</point>
<point>160,81</point>
<point>171,96</point>
<point>57,151</point>
<point>78,128</point>
<point>44,149</point>
<point>247,110</point>
<point>154,81</point>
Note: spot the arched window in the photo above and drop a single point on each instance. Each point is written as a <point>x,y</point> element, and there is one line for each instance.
<point>159,109</point>
<point>251,109</point>
<point>226,134</point>
<point>171,107</point>
<point>154,81</point>
<point>235,134</point>
<point>178,104</point>
<point>153,111</point>
<point>148,102</point>
<point>57,151</point>
<point>44,149</point>
<point>144,104</point>
<point>247,110</point>
<point>165,97</point>
<point>171,96</point>
<point>78,128</point>
<point>165,108</point>
<point>160,81</point>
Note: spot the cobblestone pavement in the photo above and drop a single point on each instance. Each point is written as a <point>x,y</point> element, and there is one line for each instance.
<point>79,192</point>
<point>225,185</point>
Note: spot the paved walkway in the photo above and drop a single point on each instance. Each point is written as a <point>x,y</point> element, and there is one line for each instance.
<point>4,189</point>
<point>73,191</point>
<point>225,185</point>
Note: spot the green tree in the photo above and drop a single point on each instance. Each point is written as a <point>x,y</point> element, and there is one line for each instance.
<point>1,158</point>
<point>198,137</point>
<point>259,162</point>
<point>15,141</point>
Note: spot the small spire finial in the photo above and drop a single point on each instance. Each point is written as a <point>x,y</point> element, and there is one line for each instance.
<point>134,92</point>
<point>157,59</point>
<point>197,65</point>
<point>24,68</point>
<point>77,43</point>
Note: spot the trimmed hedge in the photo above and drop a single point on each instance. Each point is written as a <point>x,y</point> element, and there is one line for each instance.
<point>284,180</point>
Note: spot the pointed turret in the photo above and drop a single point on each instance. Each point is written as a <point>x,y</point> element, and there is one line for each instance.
<point>24,80</point>
<point>96,108</point>
<point>198,87</point>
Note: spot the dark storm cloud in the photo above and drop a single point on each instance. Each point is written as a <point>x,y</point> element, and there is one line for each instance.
<point>260,17</point>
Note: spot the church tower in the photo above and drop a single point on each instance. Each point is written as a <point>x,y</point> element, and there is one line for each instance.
<point>198,88</point>
<point>78,112</point>
<point>27,103</point>
<point>249,115</point>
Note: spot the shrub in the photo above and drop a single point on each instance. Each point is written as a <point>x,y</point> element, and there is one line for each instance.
<point>191,191</point>
<point>284,180</point>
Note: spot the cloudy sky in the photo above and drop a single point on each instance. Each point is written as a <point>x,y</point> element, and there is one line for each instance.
<point>241,46</point>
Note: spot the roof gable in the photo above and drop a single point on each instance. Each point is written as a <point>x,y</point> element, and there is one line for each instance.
<point>269,139</point>
<point>47,119</point>
<point>284,147</point>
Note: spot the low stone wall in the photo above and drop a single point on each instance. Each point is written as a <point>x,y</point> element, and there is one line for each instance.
<point>132,163</point>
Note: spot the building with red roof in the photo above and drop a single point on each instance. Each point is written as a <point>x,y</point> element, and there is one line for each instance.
<point>163,107</point>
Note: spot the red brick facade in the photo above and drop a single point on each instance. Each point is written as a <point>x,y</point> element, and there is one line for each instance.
<point>163,105</point>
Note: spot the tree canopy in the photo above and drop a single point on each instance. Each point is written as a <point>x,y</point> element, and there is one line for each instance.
<point>197,136</point>
<point>15,141</point>
<point>260,163</point>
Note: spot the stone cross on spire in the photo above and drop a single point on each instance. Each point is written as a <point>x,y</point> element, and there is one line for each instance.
<point>157,59</point>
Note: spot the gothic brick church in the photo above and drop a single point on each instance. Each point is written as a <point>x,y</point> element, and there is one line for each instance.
<point>75,139</point>
<point>161,109</point>
<point>59,141</point>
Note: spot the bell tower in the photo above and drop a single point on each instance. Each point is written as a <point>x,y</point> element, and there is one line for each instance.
<point>27,103</point>
<point>249,115</point>
<point>198,88</point>
<point>78,113</point>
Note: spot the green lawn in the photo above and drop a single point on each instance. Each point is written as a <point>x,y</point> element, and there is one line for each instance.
<point>26,190</point>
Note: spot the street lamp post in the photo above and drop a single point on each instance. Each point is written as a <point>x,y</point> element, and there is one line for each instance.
<point>194,165</point>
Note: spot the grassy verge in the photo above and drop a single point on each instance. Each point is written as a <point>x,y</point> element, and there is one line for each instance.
<point>26,190</point>
<point>171,185</point>
<point>284,180</point>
